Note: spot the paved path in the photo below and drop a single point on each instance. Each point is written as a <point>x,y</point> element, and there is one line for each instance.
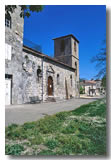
<point>20,114</point>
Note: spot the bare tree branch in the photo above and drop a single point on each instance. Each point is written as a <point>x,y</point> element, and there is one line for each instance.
<point>100,60</point>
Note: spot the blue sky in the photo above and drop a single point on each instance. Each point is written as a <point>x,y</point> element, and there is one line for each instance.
<point>86,23</point>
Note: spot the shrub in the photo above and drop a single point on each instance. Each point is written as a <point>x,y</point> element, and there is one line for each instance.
<point>15,149</point>
<point>51,143</point>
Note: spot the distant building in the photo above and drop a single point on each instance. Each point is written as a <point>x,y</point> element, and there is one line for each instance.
<point>31,76</point>
<point>92,87</point>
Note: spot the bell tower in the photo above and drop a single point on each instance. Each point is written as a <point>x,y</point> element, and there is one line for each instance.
<point>66,50</point>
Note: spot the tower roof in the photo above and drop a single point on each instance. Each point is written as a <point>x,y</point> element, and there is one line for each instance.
<point>69,35</point>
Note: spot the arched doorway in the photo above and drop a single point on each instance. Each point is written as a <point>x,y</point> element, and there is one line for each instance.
<point>50,86</point>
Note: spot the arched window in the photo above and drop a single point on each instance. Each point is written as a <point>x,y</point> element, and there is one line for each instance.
<point>39,73</point>
<point>76,67</point>
<point>8,20</point>
<point>58,79</point>
<point>71,79</point>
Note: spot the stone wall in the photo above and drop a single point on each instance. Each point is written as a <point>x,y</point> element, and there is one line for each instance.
<point>34,88</point>
<point>14,37</point>
<point>59,89</point>
<point>65,55</point>
<point>75,57</point>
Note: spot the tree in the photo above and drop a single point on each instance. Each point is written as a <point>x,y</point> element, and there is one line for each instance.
<point>82,90</point>
<point>100,60</point>
<point>103,84</point>
<point>25,9</point>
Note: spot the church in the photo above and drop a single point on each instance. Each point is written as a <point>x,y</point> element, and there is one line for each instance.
<point>30,75</point>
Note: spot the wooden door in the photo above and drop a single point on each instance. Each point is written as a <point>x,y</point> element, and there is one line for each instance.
<point>50,86</point>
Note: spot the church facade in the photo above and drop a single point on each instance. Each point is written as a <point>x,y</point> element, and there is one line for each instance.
<point>31,76</point>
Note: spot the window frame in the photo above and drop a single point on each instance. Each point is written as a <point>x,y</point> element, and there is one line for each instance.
<point>76,67</point>
<point>8,22</point>
<point>75,49</point>
<point>71,80</point>
<point>58,79</point>
<point>39,74</point>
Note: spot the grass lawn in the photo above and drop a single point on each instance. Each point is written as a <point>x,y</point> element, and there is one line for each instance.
<point>78,132</point>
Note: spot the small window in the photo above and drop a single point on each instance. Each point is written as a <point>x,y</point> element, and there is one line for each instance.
<point>58,79</point>
<point>75,46</point>
<point>76,67</point>
<point>7,51</point>
<point>8,21</point>
<point>39,74</point>
<point>62,47</point>
<point>71,79</point>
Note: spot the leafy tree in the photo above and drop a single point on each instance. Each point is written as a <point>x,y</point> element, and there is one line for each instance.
<point>103,84</point>
<point>100,60</point>
<point>81,90</point>
<point>25,9</point>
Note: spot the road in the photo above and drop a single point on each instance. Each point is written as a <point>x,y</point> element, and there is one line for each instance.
<point>20,114</point>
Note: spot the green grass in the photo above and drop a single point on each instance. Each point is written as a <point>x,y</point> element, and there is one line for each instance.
<point>15,149</point>
<point>78,132</point>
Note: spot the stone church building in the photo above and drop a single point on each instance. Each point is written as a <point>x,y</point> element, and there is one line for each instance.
<point>31,76</point>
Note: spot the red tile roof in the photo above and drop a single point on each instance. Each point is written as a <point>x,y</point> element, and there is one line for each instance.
<point>90,81</point>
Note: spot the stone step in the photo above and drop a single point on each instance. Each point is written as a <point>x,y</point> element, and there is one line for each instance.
<point>51,99</point>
